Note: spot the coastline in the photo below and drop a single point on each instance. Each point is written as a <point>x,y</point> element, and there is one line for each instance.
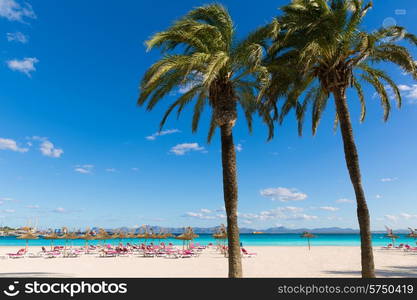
<point>270,261</point>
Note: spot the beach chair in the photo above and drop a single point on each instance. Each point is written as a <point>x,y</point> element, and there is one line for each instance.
<point>19,254</point>
<point>245,253</point>
<point>409,248</point>
<point>35,255</point>
<point>387,247</point>
<point>186,254</point>
<point>108,253</point>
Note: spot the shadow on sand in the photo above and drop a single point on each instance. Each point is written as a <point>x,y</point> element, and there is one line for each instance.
<point>33,274</point>
<point>394,271</point>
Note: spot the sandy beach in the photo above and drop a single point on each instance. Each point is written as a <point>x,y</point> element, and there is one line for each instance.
<point>322,261</point>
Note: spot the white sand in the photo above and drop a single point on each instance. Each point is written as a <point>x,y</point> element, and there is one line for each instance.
<point>270,262</point>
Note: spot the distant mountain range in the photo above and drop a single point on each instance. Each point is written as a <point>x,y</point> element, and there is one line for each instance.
<point>272,230</point>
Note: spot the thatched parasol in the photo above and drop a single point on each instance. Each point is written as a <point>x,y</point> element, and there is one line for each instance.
<point>188,236</point>
<point>143,233</point>
<point>103,235</point>
<point>131,235</point>
<point>120,235</point>
<point>308,236</point>
<point>413,233</point>
<point>221,233</point>
<point>390,234</point>
<point>162,235</point>
<point>87,237</point>
<point>26,228</point>
<point>28,236</point>
<point>52,237</point>
<point>67,236</point>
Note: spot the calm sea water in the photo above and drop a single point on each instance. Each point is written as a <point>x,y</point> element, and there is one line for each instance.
<point>246,239</point>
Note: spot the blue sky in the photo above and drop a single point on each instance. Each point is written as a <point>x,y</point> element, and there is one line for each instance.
<point>76,151</point>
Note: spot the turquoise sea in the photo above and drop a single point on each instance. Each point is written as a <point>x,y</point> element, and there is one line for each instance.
<point>246,239</point>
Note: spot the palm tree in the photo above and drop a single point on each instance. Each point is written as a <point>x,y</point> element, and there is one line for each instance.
<point>201,55</point>
<point>323,44</point>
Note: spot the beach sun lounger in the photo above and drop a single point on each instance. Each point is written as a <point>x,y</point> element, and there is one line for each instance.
<point>248,254</point>
<point>19,254</point>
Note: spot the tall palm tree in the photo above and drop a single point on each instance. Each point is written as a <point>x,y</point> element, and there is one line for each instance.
<point>322,42</point>
<point>201,55</point>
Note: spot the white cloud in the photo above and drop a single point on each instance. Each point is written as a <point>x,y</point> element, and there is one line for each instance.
<point>182,149</point>
<point>9,211</point>
<point>17,37</point>
<point>281,213</point>
<point>111,170</point>
<point>199,216</point>
<point>204,214</point>
<point>247,222</point>
<point>400,11</point>
<point>135,169</point>
<point>408,216</point>
<point>9,144</point>
<point>302,217</point>
<point>410,92</point>
<point>389,179</point>
<point>344,200</point>
<point>283,194</point>
<point>25,65</point>
<point>33,206</point>
<point>84,169</point>
<point>239,147</point>
<point>186,87</point>
<point>6,199</point>
<point>391,218</point>
<point>60,210</point>
<point>329,208</point>
<point>194,79</point>
<point>378,196</point>
<point>290,209</point>
<point>161,133</point>
<point>407,91</point>
<point>13,11</point>
<point>48,149</point>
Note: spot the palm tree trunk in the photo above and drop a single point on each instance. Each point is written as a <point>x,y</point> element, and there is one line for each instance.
<point>352,162</point>
<point>230,199</point>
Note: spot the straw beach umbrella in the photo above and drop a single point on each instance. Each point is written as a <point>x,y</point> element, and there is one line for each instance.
<point>28,236</point>
<point>52,237</point>
<point>143,233</point>
<point>184,237</point>
<point>390,234</point>
<point>162,235</point>
<point>413,233</point>
<point>308,236</point>
<point>66,236</point>
<point>187,236</point>
<point>87,237</point>
<point>221,233</point>
<point>120,235</point>
<point>221,236</point>
<point>103,235</point>
<point>131,235</point>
